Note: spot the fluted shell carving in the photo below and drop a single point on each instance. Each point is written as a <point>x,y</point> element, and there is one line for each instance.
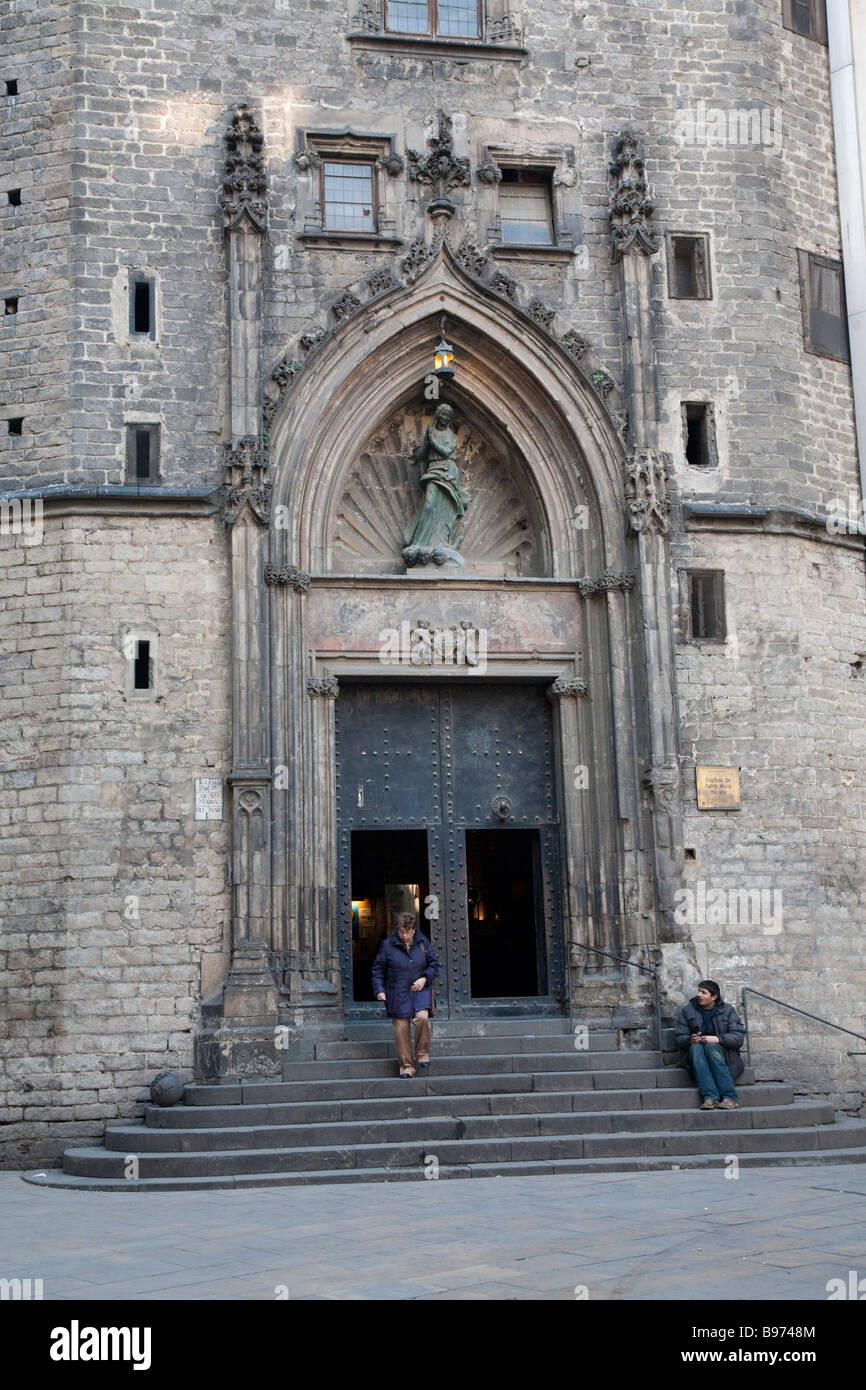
<point>503,533</point>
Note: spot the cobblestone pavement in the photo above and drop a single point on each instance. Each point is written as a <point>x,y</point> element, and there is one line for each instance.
<point>770,1233</point>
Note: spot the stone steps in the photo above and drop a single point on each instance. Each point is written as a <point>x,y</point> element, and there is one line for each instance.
<point>493,1103</point>
<point>421,1106</point>
<point>430,1130</point>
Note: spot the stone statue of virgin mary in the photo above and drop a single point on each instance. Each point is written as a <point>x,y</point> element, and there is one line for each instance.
<point>428,539</point>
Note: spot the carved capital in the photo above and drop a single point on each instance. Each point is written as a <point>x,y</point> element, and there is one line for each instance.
<point>244,190</point>
<point>646,490</point>
<point>326,686</point>
<point>631,217</point>
<point>607,582</point>
<point>567,688</point>
<point>299,580</point>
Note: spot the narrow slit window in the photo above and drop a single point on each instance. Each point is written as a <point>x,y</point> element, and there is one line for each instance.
<point>16,424</point>
<point>142,307</point>
<point>11,304</point>
<point>142,453</point>
<point>141,672</point>
<point>688,267</point>
<point>699,436</point>
<point>349,199</point>
<point>707,605</point>
<point>12,86</point>
<point>525,207</point>
<point>14,197</point>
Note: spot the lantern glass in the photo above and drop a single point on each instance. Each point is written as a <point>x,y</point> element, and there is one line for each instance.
<point>443,358</point>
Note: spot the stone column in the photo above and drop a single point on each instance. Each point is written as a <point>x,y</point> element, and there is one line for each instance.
<point>648,508</point>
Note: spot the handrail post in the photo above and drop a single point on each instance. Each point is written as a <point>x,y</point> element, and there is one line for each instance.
<point>745,1007</point>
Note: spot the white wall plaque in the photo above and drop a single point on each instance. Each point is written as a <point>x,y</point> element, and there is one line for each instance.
<point>208,798</point>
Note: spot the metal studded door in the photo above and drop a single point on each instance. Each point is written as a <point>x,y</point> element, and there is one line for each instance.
<point>446,807</point>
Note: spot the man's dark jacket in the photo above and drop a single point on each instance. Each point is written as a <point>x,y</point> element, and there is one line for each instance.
<point>396,969</point>
<point>723,1021</point>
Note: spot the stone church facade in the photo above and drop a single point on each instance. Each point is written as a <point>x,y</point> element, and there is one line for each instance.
<point>238,241</point>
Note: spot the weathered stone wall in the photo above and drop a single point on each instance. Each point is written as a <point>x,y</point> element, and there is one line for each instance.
<point>36,344</point>
<point>115,898</point>
<point>154,89</point>
<point>783,700</point>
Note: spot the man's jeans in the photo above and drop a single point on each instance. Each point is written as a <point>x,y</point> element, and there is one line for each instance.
<point>711,1071</point>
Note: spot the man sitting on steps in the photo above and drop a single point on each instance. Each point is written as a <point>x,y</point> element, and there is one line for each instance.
<point>711,1033</point>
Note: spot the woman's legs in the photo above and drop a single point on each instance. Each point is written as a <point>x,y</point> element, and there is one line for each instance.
<point>404,1044</point>
<point>422,1036</point>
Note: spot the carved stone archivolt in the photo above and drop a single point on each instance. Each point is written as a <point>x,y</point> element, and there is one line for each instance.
<point>501,533</point>
<point>297,579</point>
<point>646,490</point>
<point>328,687</point>
<point>244,190</point>
<point>631,218</point>
<point>567,688</point>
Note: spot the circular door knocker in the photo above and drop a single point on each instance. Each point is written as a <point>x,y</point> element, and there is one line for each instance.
<point>501,807</point>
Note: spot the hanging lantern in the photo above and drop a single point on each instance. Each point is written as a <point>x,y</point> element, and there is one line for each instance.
<point>443,357</point>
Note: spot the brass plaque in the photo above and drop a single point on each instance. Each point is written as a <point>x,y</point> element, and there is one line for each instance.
<point>718,788</point>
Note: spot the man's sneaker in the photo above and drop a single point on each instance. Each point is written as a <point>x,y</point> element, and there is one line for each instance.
<point>728,1104</point>
<point>708,1103</point>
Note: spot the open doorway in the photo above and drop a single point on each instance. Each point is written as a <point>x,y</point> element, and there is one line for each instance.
<point>389,875</point>
<point>506,952</point>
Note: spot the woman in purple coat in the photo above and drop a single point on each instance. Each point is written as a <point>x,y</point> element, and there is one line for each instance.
<point>403,973</point>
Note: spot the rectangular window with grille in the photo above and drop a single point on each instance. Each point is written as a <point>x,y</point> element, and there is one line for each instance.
<point>706,605</point>
<point>349,199</point>
<point>452,19</point>
<point>525,207</point>
<point>825,323</point>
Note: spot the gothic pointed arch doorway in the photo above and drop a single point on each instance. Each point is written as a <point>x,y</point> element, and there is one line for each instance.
<point>537,743</point>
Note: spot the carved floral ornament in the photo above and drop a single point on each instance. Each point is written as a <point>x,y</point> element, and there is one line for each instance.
<point>440,169</point>
<point>244,190</point>
<point>609,582</point>
<point>289,575</point>
<point>328,687</point>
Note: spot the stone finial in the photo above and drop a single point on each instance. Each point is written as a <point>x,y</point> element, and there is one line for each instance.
<point>646,490</point>
<point>632,208</point>
<point>440,170</point>
<point>244,190</point>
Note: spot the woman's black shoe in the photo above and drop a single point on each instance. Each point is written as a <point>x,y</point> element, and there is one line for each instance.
<point>422,1066</point>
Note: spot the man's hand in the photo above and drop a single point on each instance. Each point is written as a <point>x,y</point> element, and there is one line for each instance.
<point>381,998</point>
<point>697,1037</point>
<point>711,1038</point>
<point>419,984</point>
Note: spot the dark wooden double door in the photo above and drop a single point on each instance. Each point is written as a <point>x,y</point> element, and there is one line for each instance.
<point>446,807</point>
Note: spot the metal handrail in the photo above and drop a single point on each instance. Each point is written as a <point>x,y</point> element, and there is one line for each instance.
<point>647,970</point>
<point>747,989</point>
